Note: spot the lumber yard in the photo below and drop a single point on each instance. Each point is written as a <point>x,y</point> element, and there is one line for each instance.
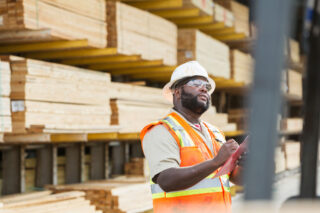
<point>80,79</point>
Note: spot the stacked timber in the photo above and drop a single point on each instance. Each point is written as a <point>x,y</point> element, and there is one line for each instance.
<point>81,19</point>
<point>292,154</point>
<point>114,195</point>
<point>133,106</point>
<point>210,53</point>
<point>292,124</point>
<point>241,15</point>
<point>240,117</point>
<point>280,160</point>
<point>5,113</point>
<point>137,167</point>
<point>219,120</point>
<point>134,31</point>
<point>241,66</point>
<point>294,51</point>
<point>45,201</point>
<point>205,6</point>
<point>224,15</point>
<point>48,97</point>
<point>294,83</point>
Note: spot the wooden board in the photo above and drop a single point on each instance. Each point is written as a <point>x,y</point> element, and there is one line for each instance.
<point>292,154</point>
<point>294,83</point>
<point>240,117</point>
<point>137,167</point>
<point>292,124</point>
<point>211,54</point>
<point>65,20</point>
<point>280,161</point>
<point>219,120</point>
<point>294,53</point>
<point>224,15</point>
<point>119,195</point>
<point>5,74</point>
<point>129,28</point>
<point>242,65</point>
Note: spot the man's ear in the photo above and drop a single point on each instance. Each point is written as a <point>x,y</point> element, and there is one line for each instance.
<point>177,93</point>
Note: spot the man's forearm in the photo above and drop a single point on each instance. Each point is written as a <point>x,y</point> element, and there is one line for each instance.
<point>236,175</point>
<point>181,178</point>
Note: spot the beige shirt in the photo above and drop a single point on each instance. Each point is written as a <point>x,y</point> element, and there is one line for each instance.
<point>161,149</point>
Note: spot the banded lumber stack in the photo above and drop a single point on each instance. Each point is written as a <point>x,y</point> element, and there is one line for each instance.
<point>294,83</point>
<point>240,117</point>
<point>84,19</point>
<point>241,15</point>
<point>241,66</point>
<point>50,97</point>
<point>5,113</point>
<point>112,196</point>
<point>210,53</point>
<point>224,15</point>
<point>294,51</point>
<point>292,124</point>
<point>137,167</point>
<point>133,106</point>
<point>292,154</point>
<point>134,31</point>
<point>219,120</point>
<point>42,202</point>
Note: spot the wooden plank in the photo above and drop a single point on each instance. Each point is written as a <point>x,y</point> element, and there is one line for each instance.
<point>113,66</point>
<point>102,136</point>
<point>62,138</point>
<point>230,37</point>
<point>107,59</point>
<point>23,36</point>
<point>142,70</point>
<point>178,13</point>
<point>40,46</point>
<point>75,53</point>
<point>158,4</point>
<point>183,22</point>
<point>129,136</point>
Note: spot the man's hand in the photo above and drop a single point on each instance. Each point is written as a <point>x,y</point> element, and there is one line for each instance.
<point>226,150</point>
<point>242,159</point>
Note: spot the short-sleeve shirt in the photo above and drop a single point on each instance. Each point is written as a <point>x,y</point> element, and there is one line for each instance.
<point>161,149</point>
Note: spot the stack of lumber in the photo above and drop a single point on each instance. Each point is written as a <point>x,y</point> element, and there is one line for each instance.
<point>240,117</point>
<point>133,106</point>
<point>292,154</point>
<point>57,98</point>
<point>137,167</point>
<point>205,6</point>
<point>219,120</point>
<point>280,161</point>
<point>294,83</point>
<point>241,66</point>
<point>30,173</point>
<point>210,53</point>
<point>114,195</point>
<point>292,124</point>
<point>241,15</point>
<point>5,113</point>
<point>134,31</point>
<point>294,51</point>
<point>65,19</point>
<point>47,202</point>
<point>224,15</point>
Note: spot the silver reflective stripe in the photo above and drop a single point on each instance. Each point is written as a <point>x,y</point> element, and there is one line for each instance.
<point>225,181</point>
<point>205,183</point>
<point>185,138</point>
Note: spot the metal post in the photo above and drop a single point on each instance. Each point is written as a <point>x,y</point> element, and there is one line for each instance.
<point>272,18</point>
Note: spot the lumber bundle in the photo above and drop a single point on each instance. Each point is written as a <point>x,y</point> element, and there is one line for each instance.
<point>280,161</point>
<point>292,154</point>
<point>132,115</point>
<point>294,83</point>
<point>219,120</point>
<point>294,51</point>
<point>224,15</point>
<point>241,15</point>
<point>114,195</point>
<point>210,53</point>
<point>205,6</point>
<point>65,19</point>
<point>292,124</point>
<point>241,66</point>
<point>47,202</point>
<point>137,167</point>
<point>5,113</point>
<point>129,28</point>
<point>57,98</point>
<point>240,117</point>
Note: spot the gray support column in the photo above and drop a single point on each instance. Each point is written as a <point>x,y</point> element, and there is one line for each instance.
<point>74,163</point>
<point>118,158</point>
<point>46,169</point>
<point>97,167</point>
<point>13,164</point>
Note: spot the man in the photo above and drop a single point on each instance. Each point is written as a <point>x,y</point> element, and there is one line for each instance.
<point>184,152</point>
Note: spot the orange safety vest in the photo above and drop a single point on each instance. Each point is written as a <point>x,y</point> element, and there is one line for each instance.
<point>208,195</point>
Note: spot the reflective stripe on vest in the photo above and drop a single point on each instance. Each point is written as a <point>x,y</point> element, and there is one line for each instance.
<point>207,185</point>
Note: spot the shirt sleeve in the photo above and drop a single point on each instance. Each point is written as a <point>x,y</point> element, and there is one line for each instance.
<point>161,150</point>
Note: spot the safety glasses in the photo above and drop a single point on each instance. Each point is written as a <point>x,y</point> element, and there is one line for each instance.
<point>199,84</point>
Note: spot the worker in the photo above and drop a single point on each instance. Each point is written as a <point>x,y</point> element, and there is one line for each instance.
<point>184,153</point>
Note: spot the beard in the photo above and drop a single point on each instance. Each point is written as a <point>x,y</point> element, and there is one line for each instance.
<point>191,102</point>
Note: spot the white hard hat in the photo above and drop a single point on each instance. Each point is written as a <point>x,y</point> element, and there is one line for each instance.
<point>188,69</point>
